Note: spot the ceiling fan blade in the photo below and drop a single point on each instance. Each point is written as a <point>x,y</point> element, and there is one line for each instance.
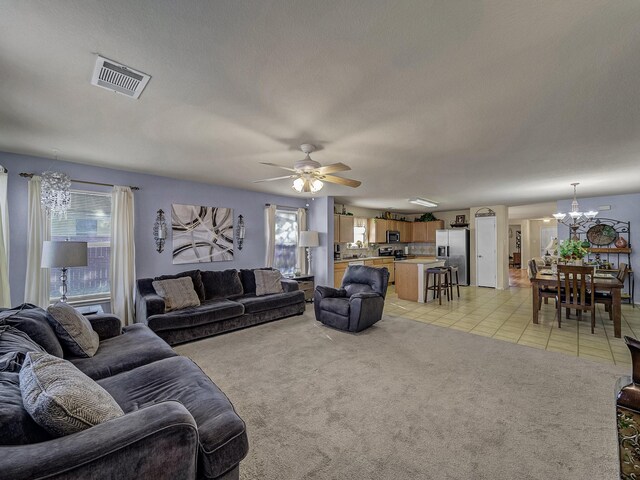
<point>279,166</point>
<point>274,178</point>
<point>334,167</point>
<point>341,181</point>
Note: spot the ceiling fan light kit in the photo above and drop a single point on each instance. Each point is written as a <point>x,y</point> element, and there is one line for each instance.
<point>309,176</point>
<point>422,201</point>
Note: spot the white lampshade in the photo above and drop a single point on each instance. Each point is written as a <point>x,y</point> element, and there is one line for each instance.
<point>309,239</point>
<point>64,254</point>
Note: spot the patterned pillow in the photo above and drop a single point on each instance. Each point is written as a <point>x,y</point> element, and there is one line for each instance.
<point>177,293</point>
<point>268,282</point>
<point>73,330</point>
<point>62,399</point>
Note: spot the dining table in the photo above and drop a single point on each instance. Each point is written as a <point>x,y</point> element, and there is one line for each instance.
<point>602,282</point>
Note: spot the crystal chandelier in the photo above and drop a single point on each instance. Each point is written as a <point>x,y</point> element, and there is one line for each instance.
<point>55,194</point>
<point>575,218</point>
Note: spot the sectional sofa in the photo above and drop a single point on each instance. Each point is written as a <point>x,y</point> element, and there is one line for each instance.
<point>228,301</point>
<point>177,423</point>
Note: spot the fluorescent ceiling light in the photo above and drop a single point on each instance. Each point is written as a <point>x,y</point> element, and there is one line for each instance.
<point>422,201</point>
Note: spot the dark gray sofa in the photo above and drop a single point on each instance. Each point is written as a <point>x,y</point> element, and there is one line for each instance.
<point>228,302</point>
<point>177,425</point>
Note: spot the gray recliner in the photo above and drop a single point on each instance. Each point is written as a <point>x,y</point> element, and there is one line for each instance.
<point>358,304</point>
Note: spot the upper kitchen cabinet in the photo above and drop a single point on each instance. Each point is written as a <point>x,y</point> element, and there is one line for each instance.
<point>405,229</point>
<point>425,232</point>
<point>378,230</point>
<point>342,228</point>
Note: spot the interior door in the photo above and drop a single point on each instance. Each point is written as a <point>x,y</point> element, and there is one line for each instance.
<point>486,252</point>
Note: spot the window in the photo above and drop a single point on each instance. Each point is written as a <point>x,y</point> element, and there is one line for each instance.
<point>88,220</point>
<point>360,239</point>
<point>286,241</point>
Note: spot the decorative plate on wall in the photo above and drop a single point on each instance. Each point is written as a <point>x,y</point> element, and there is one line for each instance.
<point>601,235</point>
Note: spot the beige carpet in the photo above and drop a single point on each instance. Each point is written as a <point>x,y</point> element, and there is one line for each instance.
<point>406,400</point>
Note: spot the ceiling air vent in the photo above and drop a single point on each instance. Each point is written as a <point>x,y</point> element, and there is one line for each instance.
<point>119,78</point>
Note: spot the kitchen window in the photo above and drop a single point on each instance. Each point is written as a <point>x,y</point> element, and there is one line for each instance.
<point>286,241</point>
<point>88,219</point>
<point>360,239</point>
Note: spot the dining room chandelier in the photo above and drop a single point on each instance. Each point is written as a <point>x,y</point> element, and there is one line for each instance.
<point>55,194</point>
<point>575,218</point>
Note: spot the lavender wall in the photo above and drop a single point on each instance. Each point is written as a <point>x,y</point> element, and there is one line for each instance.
<point>155,192</point>
<point>623,207</point>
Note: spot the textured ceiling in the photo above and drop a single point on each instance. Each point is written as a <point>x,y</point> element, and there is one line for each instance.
<point>463,102</point>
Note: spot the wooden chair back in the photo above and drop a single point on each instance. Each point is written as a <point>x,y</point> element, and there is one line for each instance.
<point>622,272</point>
<point>577,282</point>
<point>532,270</point>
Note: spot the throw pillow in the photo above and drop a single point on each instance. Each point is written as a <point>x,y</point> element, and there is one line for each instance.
<point>33,321</point>
<point>195,276</point>
<point>73,330</point>
<point>268,282</point>
<point>177,293</point>
<point>14,344</point>
<point>221,284</point>
<point>62,399</point>
<point>248,279</point>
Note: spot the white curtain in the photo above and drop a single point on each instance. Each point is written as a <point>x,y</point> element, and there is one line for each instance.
<point>123,254</point>
<point>301,263</point>
<point>5,294</point>
<point>270,232</point>
<point>36,288</point>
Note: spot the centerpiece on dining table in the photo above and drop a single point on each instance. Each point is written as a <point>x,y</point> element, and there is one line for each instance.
<point>572,252</point>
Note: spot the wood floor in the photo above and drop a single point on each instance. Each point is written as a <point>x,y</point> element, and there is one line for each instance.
<point>518,278</point>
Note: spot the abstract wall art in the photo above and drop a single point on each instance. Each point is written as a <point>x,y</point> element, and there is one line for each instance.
<point>201,234</point>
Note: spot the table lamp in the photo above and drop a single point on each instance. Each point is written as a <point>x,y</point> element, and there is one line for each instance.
<point>309,239</point>
<point>64,255</point>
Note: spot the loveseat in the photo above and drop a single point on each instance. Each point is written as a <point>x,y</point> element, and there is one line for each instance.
<point>177,423</point>
<point>228,301</point>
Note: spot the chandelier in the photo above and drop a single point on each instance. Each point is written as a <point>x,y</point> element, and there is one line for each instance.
<point>575,218</point>
<point>55,193</point>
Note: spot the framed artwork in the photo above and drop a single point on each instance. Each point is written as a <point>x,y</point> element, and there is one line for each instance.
<point>460,219</point>
<point>201,234</point>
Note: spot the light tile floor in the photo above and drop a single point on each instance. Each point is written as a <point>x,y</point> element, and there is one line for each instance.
<point>507,315</point>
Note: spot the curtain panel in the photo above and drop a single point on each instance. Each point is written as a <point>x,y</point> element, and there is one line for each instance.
<point>36,288</point>
<point>270,234</point>
<point>301,260</point>
<point>5,294</point>
<point>123,254</point>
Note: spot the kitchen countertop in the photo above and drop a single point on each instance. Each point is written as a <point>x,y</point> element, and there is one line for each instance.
<point>347,260</point>
<point>421,260</point>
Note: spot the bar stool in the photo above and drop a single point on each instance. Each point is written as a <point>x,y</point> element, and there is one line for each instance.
<point>452,283</point>
<point>441,282</point>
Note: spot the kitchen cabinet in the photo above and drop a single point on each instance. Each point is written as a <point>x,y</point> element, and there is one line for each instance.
<point>425,232</point>
<point>342,228</point>
<point>388,263</point>
<point>378,230</point>
<point>338,273</point>
<point>405,231</point>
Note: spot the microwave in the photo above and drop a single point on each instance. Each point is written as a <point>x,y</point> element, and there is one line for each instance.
<point>393,236</point>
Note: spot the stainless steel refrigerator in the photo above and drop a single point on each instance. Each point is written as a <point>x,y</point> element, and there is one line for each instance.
<point>453,246</point>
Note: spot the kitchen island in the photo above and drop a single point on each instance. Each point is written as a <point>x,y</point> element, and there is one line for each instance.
<point>411,277</point>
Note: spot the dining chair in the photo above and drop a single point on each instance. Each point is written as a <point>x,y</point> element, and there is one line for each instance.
<point>576,292</point>
<point>544,291</point>
<point>605,298</point>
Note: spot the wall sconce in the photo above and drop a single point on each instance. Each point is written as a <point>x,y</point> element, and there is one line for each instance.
<point>240,232</point>
<point>160,231</point>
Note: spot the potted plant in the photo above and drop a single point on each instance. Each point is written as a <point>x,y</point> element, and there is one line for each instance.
<point>572,251</point>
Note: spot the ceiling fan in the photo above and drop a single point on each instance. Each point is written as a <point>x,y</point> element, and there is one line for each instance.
<point>309,175</point>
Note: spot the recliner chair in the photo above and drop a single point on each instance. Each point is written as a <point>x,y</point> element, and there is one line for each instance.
<point>358,304</point>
